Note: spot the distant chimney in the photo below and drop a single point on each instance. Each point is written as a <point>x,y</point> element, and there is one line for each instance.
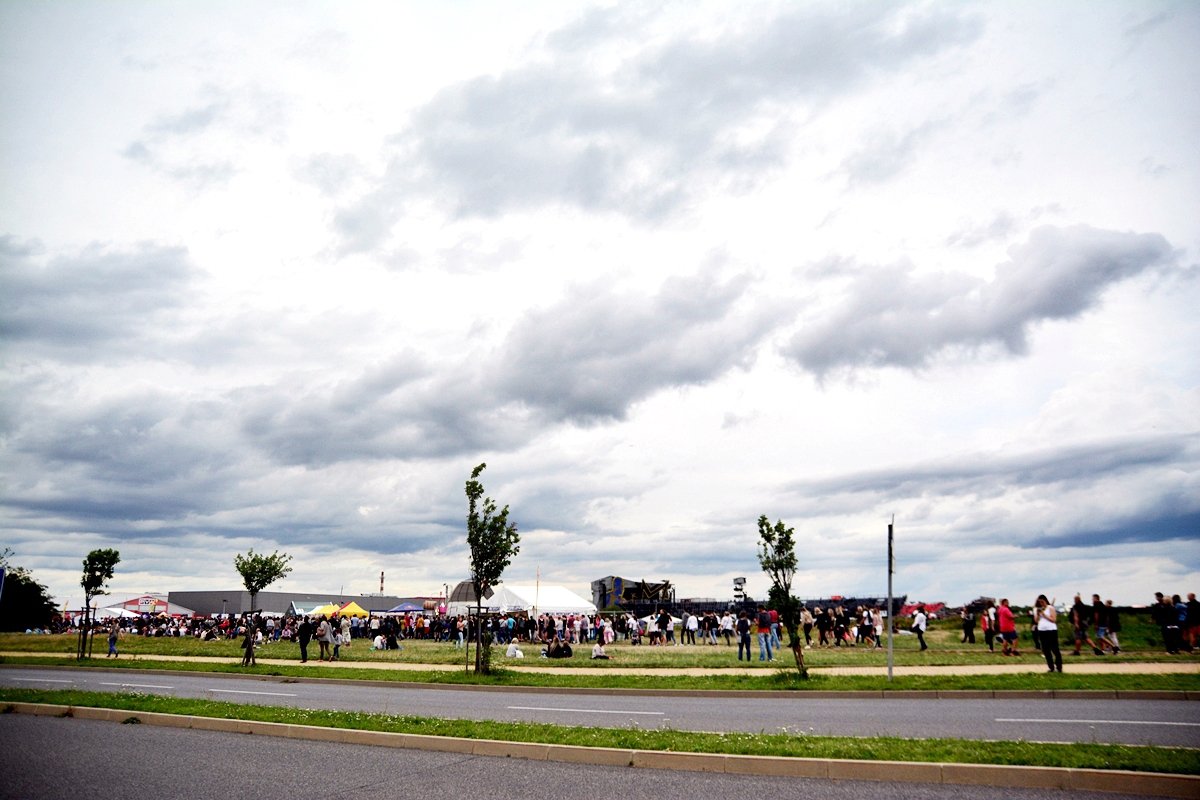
<point>381,582</point>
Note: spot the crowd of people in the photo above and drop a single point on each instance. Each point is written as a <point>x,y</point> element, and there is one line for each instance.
<point>1094,626</point>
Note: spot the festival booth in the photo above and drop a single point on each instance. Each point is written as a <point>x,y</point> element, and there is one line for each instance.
<point>532,599</point>
<point>406,608</point>
<point>111,612</point>
<point>327,610</point>
<point>352,609</point>
<point>152,605</point>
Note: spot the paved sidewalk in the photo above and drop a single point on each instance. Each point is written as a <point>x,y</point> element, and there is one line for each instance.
<point>1181,666</point>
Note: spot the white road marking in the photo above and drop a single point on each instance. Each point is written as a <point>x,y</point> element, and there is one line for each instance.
<point>41,680</point>
<point>138,685</point>
<point>238,691</point>
<point>1105,722</point>
<point>585,710</point>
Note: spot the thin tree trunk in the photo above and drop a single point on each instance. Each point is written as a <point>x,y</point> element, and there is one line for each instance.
<point>798,652</point>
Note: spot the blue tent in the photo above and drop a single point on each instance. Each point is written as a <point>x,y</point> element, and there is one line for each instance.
<point>406,607</point>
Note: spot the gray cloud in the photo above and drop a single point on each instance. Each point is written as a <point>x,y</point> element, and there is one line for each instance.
<point>641,138</point>
<point>892,317</point>
<point>69,305</point>
<point>979,498</point>
<point>982,474</point>
<point>583,360</point>
<point>594,354</point>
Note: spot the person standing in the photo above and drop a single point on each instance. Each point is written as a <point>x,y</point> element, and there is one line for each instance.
<point>1181,615</point>
<point>1162,613</point>
<point>918,626</point>
<point>1045,622</point>
<point>304,635</point>
<point>1192,629</point>
<point>988,621</point>
<point>968,625</point>
<point>743,632</point>
<point>764,635</point>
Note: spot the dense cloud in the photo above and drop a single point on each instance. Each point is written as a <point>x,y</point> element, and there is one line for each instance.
<point>103,297</point>
<point>896,318</point>
<point>615,121</point>
<point>597,352</point>
<point>986,474</point>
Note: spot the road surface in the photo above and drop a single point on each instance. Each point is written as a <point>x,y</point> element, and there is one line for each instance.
<point>49,758</point>
<point>1139,722</point>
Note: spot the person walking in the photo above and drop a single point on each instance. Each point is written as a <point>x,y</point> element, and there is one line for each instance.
<point>114,633</point>
<point>1007,625</point>
<point>248,647</point>
<point>1045,622</point>
<point>920,621</point>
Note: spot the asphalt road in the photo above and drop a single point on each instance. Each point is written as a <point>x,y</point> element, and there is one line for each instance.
<point>1153,722</point>
<point>49,758</point>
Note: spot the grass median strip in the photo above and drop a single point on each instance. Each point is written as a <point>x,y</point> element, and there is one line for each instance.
<point>793,744</point>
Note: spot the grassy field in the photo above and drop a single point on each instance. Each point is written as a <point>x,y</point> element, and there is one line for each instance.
<point>764,677</point>
<point>1139,639</point>
<point>785,744</point>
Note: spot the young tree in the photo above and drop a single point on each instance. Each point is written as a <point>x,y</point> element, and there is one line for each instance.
<point>259,570</point>
<point>24,602</point>
<point>777,555</point>
<point>493,542</point>
<point>97,572</point>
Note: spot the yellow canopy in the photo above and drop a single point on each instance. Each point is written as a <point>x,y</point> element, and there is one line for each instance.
<point>326,610</point>
<point>353,609</point>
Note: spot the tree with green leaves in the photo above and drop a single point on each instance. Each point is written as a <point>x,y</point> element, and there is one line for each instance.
<point>777,555</point>
<point>493,543</point>
<point>24,602</point>
<point>97,572</point>
<point>259,570</point>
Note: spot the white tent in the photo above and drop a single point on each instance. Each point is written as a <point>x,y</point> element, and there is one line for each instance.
<point>114,611</point>
<point>543,599</point>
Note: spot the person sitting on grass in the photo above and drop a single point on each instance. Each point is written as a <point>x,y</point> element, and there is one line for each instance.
<point>598,652</point>
<point>558,649</point>
<point>513,651</point>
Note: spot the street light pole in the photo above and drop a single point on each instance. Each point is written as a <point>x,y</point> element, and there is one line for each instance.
<point>891,570</point>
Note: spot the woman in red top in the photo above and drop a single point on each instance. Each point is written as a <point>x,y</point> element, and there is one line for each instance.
<point>1008,628</point>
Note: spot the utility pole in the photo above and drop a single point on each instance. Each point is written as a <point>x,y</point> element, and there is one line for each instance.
<point>891,571</point>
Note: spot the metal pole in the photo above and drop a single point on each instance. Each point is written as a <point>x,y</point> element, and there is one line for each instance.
<point>891,571</point>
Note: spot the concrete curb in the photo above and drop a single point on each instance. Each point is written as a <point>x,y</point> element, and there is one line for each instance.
<point>821,694</point>
<point>1140,783</point>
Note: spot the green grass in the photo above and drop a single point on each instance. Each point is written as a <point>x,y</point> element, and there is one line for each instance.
<point>945,650</point>
<point>768,680</point>
<point>787,744</point>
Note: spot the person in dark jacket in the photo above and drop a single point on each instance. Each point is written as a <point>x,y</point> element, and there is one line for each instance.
<point>304,635</point>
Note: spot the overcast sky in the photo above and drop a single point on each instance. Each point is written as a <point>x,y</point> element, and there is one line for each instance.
<point>278,275</point>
